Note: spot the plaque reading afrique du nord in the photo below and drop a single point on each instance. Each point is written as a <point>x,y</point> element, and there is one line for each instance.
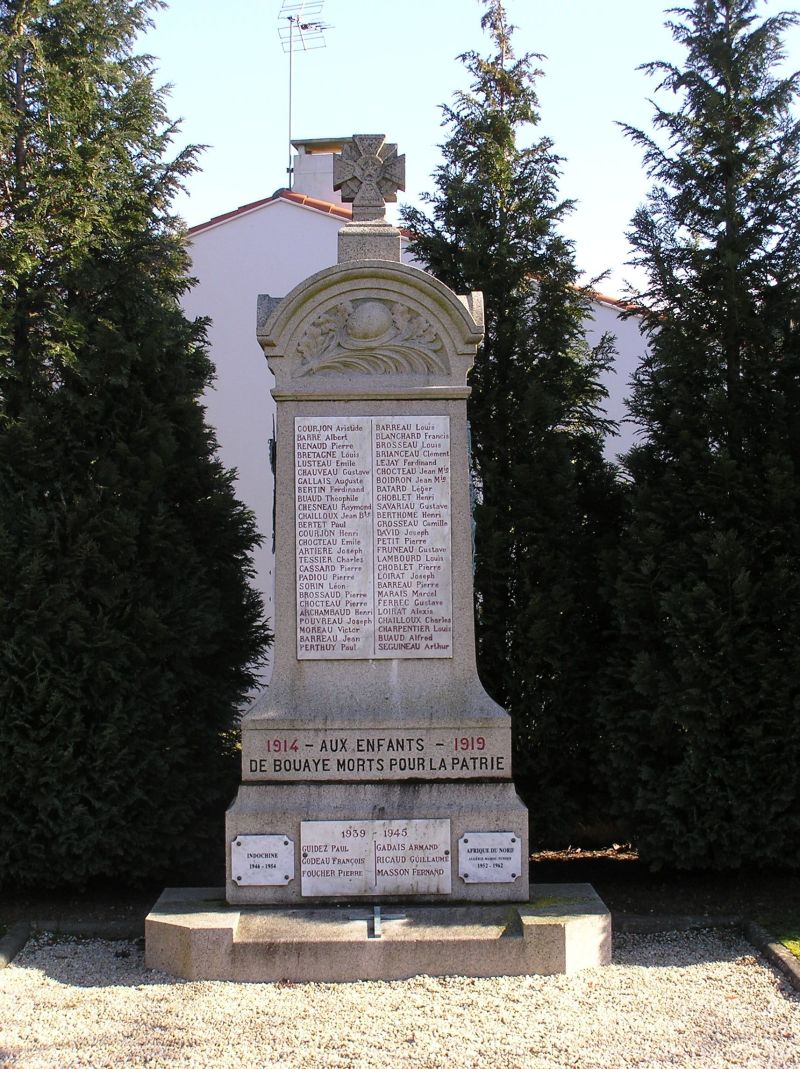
<point>489,857</point>
<point>372,497</point>
<point>374,857</point>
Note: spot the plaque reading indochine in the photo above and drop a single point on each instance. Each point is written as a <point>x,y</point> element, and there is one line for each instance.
<point>262,860</point>
<point>372,498</point>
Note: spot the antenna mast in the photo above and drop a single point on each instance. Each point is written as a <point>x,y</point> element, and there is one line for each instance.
<point>304,32</point>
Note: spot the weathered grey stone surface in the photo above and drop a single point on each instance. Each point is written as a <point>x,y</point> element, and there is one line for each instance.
<point>563,929</point>
<point>369,241</point>
<point>369,172</point>
<point>318,351</point>
<point>364,352</point>
<point>281,749</point>
<point>280,809</point>
<point>189,933</point>
<point>317,374</point>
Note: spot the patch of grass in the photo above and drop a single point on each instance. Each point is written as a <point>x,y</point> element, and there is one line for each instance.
<point>557,900</point>
<point>793,945</point>
<point>785,927</point>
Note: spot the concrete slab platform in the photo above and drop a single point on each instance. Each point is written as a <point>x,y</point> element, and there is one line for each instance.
<point>193,933</point>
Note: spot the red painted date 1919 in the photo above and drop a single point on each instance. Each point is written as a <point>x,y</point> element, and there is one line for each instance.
<point>469,742</point>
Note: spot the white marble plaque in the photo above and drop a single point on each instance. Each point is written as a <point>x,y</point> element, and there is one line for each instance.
<point>319,754</point>
<point>489,857</point>
<point>372,497</point>
<point>262,860</point>
<point>334,522</point>
<point>411,501</point>
<point>374,857</point>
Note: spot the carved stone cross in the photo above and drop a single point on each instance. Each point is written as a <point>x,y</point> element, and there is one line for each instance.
<point>369,172</point>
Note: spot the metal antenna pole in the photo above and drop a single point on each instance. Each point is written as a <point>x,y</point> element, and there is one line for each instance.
<point>290,169</point>
<point>304,32</point>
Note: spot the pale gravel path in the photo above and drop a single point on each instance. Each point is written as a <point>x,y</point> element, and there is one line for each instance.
<point>699,999</point>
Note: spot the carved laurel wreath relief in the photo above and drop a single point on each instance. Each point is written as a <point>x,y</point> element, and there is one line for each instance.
<point>372,337</point>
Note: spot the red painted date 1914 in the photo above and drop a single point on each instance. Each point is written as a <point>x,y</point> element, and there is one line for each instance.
<point>279,745</point>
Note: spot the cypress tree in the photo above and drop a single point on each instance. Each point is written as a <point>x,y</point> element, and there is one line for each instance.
<point>703,706</point>
<point>129,632</point>
<point>547,503</point>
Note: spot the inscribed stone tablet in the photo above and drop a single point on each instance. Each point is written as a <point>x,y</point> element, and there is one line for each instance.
<point>333,492</point>
<point>372,498</point>
<point>375,857</point>
<point>262,860</point>
<point>346,754</point>
<point>411,487</point>
<point>489,857</point>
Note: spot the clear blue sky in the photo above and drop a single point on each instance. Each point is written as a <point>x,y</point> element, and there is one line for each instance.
<point>388,66</point>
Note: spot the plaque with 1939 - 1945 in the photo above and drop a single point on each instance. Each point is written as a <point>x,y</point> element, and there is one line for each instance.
<point>375,857</point>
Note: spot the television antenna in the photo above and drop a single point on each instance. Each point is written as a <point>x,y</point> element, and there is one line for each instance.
<point>304,31</point>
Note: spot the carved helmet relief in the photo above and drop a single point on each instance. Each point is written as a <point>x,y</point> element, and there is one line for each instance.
<point>372,337</point>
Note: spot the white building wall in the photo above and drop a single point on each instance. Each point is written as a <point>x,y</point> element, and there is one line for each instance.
<point>313,174</point>
<point>268,250</point>
<point>617,380</point>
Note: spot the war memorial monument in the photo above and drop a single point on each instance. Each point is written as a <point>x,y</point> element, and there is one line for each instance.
<point>377,833</point>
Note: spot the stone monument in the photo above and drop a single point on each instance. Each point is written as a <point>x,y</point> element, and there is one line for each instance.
<point>376,817</point>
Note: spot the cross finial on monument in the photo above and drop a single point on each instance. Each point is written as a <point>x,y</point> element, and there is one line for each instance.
<point>369,172</point>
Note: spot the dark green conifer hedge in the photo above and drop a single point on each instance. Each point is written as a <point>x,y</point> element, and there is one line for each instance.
<point>548,505</point>
<point>703,708</point>
<point>129,633</point>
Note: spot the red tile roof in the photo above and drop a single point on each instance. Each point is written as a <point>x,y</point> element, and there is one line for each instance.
<point>344,211</point>
<point>615,302</point>
<point>341,210</point>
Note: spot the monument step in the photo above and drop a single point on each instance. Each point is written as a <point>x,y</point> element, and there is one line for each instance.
<point>563,928</point>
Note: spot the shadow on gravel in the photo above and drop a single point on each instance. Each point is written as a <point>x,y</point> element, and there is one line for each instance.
<point>700,946</point>
<point>91,963</point>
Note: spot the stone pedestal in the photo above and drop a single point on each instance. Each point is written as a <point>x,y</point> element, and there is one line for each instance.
<point>193,934</point>
<point>454,810</point>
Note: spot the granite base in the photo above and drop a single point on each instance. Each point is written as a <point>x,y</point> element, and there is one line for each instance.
<point>194,934</point>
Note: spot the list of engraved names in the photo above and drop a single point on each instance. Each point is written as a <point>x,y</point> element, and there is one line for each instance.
<point>373,536</point>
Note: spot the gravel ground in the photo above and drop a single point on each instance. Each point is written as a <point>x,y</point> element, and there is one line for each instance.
<point>682,999</point>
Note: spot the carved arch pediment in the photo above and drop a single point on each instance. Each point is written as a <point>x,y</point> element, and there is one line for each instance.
<point>366,336</point>
<point>370,322</point>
